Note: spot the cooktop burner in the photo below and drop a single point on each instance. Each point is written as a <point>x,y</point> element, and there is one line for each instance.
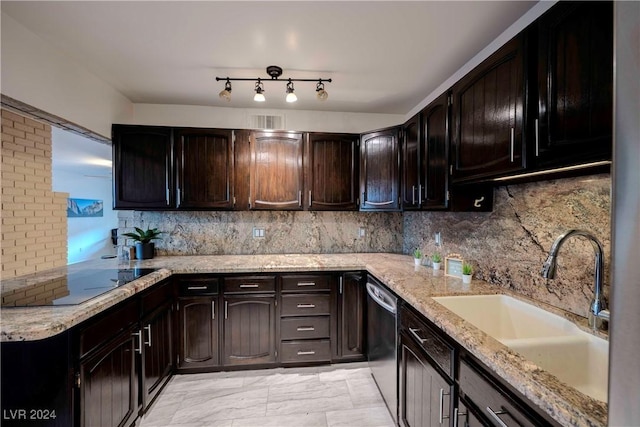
<point>74,288</point>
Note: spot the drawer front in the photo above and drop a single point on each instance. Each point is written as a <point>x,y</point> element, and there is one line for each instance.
<point>493,404</point>
<point>199,286</point>
<point>296,328</point>
<point>305,351</point>
<point>158,295</point>
<point>438,349</point>
<point>306,305</point>
<point>97,332</point>
<point>306,283</point>
<point>249,284</point>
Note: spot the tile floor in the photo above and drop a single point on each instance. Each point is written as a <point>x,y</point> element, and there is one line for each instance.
<point>324,396</point>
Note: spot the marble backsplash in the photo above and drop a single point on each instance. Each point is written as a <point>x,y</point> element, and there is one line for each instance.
<point>224,233</point>
<point>508,246</point>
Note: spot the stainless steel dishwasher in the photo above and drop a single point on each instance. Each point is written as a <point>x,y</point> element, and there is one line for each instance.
<point>382,342</point>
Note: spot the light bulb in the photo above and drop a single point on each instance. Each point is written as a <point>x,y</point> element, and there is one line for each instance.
<point>259,97</point>
<point>291,97</point>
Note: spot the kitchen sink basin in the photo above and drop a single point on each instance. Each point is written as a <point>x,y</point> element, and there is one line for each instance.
<point>552,342</point>
<point>506,318</point>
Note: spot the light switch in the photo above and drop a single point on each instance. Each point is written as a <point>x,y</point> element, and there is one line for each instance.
<point>258,232</point>
<point>362,232</point>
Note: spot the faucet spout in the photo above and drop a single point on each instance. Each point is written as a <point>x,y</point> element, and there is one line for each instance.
<point>598,314</point>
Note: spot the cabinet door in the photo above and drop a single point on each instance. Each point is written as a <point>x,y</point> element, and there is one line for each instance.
<point>410,183</point>
<point>351,304</point>
<point>332,174</point>
<point>379,171</point>
<point>157,353</point>
<point>435,155</point>
<point>425,396</point>
<point>205,168</point>
<point>276,171</point>
<point>198,332</point>
<point>488,116</point>
<point>143,167</point>
<point>575,81</point>
<point>109,383</point>
<point>249,330</point>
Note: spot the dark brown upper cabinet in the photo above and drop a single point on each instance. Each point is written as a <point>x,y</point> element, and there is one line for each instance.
<point>205,168</point>
<point>411,182</point>
<point>435,154</point>
<point>332,172</point>
<point>142,167</point>
<point>488,117</point>
<point>380,171</point>
<point>276,178</point>
<point>574,112</point>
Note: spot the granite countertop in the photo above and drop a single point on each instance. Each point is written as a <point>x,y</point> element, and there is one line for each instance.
<point>416,285</point>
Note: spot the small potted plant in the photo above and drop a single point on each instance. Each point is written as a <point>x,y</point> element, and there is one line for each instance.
<point>467,272</point>
<point>143,238</point>
<point>436,259</point>
<point>417,256</point>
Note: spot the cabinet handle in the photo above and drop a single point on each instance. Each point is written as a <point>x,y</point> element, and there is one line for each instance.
<point>309,198</point>
<point>414,332</point>
<point>441,416</point>
<point>341,281</point>
<point>226,310</point>
<point>300,198</point>
<point>413,194</point>
<point>213,310</point>
<point>167,195</point>
<point>306,283</point>
<point>249,285</point>
<point>196,288</point>
<point>495,416</point>
<point>512,139</point>
<point>537,129</point>
<point>305,328</point>
<point>179,196</point>
<point>148,329</point>
<point>139,348</point>
<point>419,194</point>
<point>306,353</point>
<point>456,414</point>
<point>306,305</point>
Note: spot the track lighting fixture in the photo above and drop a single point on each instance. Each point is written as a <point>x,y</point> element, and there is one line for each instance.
<point>274,72</point>
<point>259,96</point>
<point>226,92</point>
<point>321,94</point>
<point>291,97</point>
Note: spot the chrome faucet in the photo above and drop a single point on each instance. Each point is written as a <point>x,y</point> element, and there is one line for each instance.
<point>598,314</point>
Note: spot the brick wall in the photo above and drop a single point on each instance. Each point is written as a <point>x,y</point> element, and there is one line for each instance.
<point>33,224</point>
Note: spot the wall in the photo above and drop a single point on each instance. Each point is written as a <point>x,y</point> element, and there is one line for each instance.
<point>87,238</point>
<point>214,233</point>
<point>509,245</point>
<point>34,223</point>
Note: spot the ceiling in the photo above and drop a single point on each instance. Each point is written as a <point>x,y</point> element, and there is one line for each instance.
<point>383,57</point>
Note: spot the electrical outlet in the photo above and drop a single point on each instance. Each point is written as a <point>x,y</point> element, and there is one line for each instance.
<point>258,233</point>
<point>362,232</point>
<point>438,238</point>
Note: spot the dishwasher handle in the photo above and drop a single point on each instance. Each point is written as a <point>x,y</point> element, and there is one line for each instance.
<point>382,298</point>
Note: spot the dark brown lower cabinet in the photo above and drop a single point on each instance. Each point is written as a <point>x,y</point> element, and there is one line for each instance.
<point>157,352</point>
<point>198,332</point>
<point>249,329</point>
<point>425,395</point>
<point>351,321</point>
<point>109,382</point>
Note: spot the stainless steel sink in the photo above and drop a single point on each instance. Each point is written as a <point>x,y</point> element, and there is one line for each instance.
<point>552,342</point>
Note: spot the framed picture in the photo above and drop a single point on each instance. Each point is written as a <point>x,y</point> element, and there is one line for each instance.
<point>84,208</point>
<point>453,265</point>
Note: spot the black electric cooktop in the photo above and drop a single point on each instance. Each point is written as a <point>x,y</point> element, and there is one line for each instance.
<point>80,286</point>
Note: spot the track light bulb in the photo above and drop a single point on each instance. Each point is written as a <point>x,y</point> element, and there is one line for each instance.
<point>259,96</point>
<point>226,92</point>
<point>291,96</point>
<point>321,94</point>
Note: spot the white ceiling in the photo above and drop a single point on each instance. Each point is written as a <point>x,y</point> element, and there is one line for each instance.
<point>383,57</point>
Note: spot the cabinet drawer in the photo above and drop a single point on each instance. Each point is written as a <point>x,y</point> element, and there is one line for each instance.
<point>158,295</point>
<point>249,284</point>
<point>304,283</point>
<point>296,328</point>
<point>490,400</point>
<point>429,340</point>
<point>199,286</point>
<point>303,305</point>
<point>98,332</point>
<point>305,351</point>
